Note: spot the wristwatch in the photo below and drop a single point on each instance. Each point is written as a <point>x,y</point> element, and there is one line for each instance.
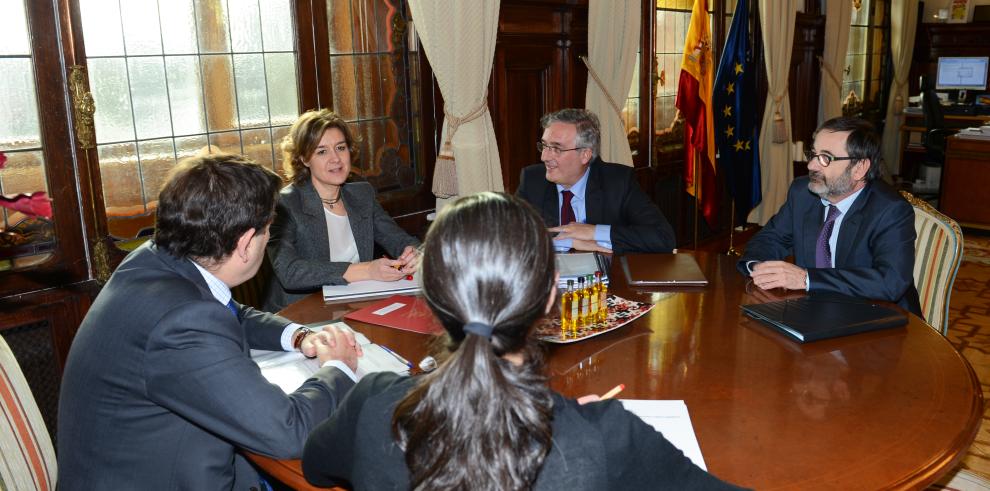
<point>299,336</point>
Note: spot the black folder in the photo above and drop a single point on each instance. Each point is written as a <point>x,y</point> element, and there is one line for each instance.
<point>824,316</point>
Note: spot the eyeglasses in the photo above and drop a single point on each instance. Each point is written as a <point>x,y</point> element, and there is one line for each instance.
<point>555,151</point>
<point>823,158</point>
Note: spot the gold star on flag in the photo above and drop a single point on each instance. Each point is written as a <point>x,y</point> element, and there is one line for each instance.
<point>739,146</point>
<point>747,144</point>
<point>738,68</point>
<point>730,88</point>
<point>728,131</point>
<point>727,111</point>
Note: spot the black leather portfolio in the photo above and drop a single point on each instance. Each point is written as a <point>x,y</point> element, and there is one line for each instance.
<point>823,316</point>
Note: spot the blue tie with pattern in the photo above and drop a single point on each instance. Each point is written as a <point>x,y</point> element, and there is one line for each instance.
<point>823,253</point>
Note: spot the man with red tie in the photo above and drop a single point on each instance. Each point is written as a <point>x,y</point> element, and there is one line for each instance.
<point>592,205</point>
<point>849,232</point>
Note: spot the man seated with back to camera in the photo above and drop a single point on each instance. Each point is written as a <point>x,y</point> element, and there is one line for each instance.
<point>159,390</point>
<point>592,205</point>
<point>848,230</point>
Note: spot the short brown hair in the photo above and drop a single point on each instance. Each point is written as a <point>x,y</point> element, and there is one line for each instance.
<point>209,201</point>
<point>303,138</point>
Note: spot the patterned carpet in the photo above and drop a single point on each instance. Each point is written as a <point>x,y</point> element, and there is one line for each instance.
<point>969,332</point>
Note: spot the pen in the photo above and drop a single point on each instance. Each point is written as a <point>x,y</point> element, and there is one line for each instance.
<point>408,276</point>
<point>612,393</point>
<point>397,357</point>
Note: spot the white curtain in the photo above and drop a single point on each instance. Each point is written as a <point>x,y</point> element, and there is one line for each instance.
<point>459,40</point>
<point>903,23</point>
<point>838,16</point>
<point>613,39</point>
<point>777,18</point>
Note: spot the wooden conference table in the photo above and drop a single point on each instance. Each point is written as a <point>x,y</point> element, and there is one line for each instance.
<point>890,409</point>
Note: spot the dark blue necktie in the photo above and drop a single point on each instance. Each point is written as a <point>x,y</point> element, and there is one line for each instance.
<point>823,253</point>
<point>233,308</point>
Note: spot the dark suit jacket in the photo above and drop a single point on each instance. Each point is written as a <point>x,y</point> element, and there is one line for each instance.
<point>874,255</point>
<point>612,197</point>
<point>159,390</point>
<point>595,446</point>
<point>299,248</point>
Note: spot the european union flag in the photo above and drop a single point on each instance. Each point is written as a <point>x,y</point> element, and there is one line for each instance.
<point>737,130</point>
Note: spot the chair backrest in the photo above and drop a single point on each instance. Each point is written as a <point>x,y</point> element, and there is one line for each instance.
<point>27,458</point>
<point>937,253</point>
<point>931,107</point>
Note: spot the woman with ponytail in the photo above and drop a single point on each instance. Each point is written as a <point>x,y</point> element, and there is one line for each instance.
<point>486,419</point>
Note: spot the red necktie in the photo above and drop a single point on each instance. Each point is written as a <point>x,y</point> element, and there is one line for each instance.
<point>566,212</point>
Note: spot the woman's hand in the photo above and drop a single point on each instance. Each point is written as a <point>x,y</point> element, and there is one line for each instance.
<point>382,269</point>
<point>409,260</point>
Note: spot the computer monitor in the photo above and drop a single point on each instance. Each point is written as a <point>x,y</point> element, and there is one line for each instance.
<point>962,73</point>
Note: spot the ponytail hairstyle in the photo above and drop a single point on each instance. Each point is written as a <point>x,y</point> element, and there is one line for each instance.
<point>479,421</point>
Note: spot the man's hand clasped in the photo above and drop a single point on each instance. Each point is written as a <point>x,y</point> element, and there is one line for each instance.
<point>333,343</point>
<point>779,274</point>
<point>582,236</point>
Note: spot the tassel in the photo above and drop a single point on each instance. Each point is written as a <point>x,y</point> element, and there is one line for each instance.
<point>445,173</point>
<point>779,133</point>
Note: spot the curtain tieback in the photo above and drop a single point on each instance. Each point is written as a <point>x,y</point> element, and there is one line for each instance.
<point>779,130</point>
<point>831,73</point>
<point>445,173</point>
<point>899,96</point>
<point>601,85</point>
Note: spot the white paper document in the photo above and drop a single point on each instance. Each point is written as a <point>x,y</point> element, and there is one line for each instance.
<point>670,418</point>
<point>370,288</point>
<point>289,369</point>
<point>574,265</point>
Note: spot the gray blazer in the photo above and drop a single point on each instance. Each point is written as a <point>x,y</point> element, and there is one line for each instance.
<point>299,248</point>
<point>159,390</point>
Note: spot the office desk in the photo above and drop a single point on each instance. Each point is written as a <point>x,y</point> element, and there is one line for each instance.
<point>912,153</point>
<point>965,179</point>
<point>883,410</point>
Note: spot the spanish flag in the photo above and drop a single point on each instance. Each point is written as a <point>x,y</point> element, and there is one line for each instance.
<point>694,101</point>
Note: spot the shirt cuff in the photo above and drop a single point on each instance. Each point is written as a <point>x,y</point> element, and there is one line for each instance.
<point>287,336</point>
<point>603,236</point>
<point>342,367</point>
<point>807,281</point>
<point>563,245</point>
<point>749,266</point>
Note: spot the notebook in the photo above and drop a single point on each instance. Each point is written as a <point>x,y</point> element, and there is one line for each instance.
<point>823,316</point>
<point>369,288</point>
<point>662,270</point>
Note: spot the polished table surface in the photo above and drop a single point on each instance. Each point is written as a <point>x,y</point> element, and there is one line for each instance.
<point>891,409</point>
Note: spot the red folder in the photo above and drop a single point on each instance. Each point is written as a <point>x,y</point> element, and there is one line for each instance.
<point>399,312</point>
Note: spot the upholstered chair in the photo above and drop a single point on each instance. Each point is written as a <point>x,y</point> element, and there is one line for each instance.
<point>937,253</point>
<point>27,458</point>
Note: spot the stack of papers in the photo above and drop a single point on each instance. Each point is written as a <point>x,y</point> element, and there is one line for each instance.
<point>974,133</point>
<point>370,288</point>
<point>578,265</point>
<point>289,369</point>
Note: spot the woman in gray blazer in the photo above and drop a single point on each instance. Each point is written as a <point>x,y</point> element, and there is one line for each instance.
<point>325,228</point>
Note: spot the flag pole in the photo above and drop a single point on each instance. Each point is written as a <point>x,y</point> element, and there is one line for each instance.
<point>697,194</point>
<point>732,228</point>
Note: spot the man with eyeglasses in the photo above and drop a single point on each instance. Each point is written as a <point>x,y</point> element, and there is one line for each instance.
<point>848,231</point>
<point>591,205</point>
